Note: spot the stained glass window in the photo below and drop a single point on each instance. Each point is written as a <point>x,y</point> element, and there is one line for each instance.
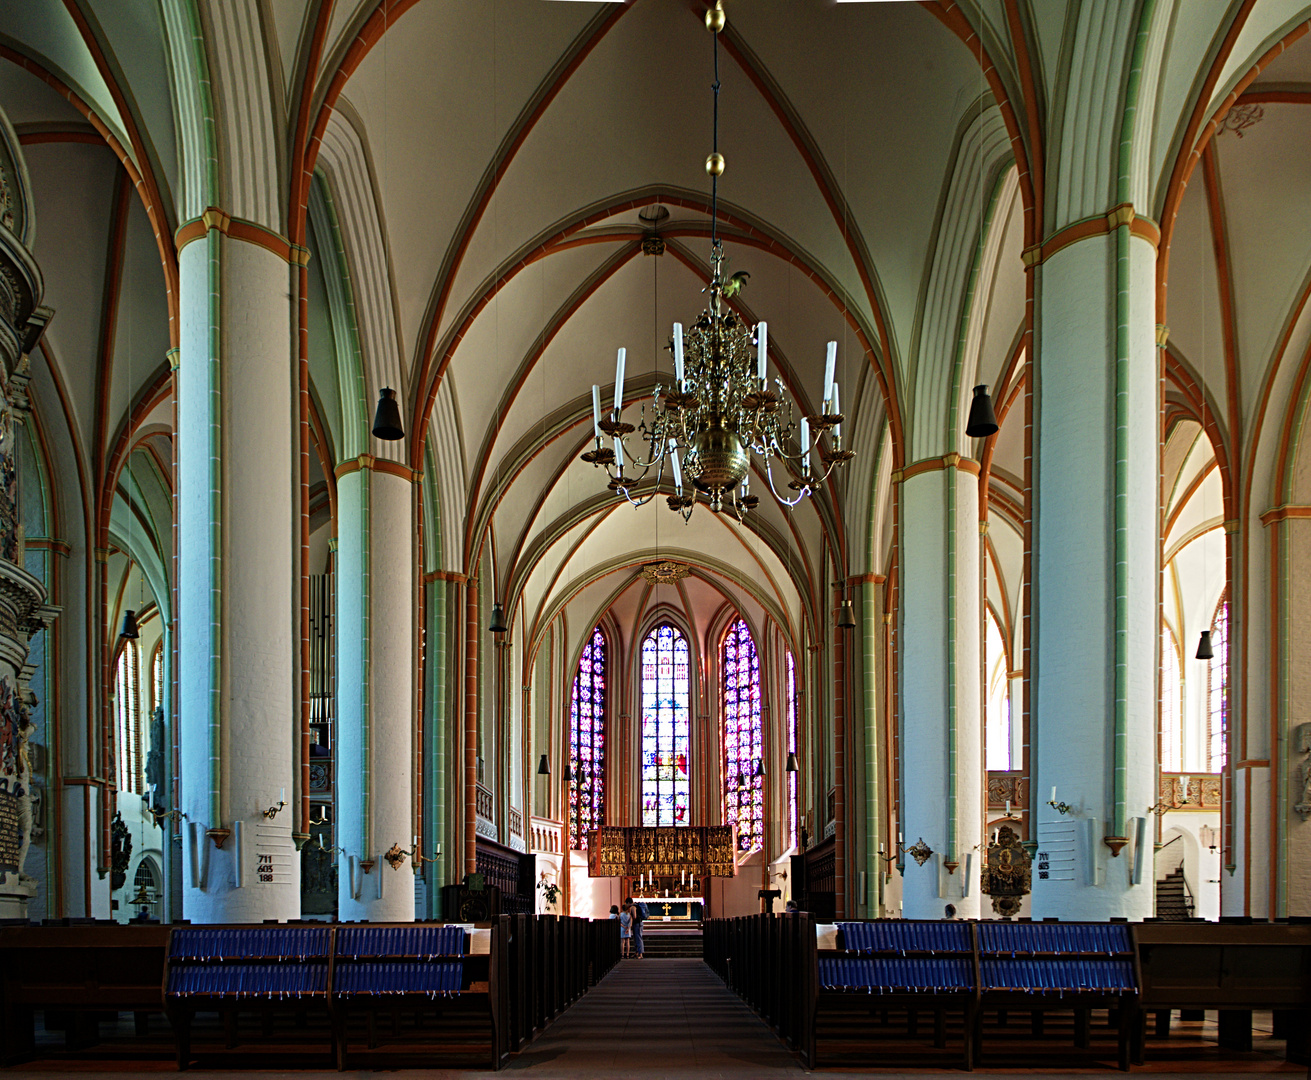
<point>587,743</point>
<point>666,691</point>
<point>1172,730</point>
<point>127,713</point>
<point>1217,719</point>
<point>744,755</point>
<point>792,745</point>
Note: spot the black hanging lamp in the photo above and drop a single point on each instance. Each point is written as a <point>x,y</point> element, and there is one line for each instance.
<point>130,628</point>
<point>387,420</point>
<point>760,767</point>
<point>1204,650</point>
<point>791,765</point>
<point>497,624</point>
<point>543,767</point>
<point>982,421</point>
<point>846,616</point>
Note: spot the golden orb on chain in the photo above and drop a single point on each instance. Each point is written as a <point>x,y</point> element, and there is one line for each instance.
<point>716,20</point>
<point>715,164</point>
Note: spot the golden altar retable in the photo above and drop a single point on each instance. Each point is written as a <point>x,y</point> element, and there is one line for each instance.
<point>632,850</point>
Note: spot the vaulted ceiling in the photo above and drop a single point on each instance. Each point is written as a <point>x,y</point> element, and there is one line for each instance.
<point>482,168</point>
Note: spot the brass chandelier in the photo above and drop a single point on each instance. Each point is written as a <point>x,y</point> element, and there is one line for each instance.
<point>721,408</point>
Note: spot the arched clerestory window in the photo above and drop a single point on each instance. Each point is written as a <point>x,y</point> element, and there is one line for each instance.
<point>127,715</point>
<point>587,715</point>
<point>666,693</point>
<point>1172,726</point>
<point>744,754</point>
<point>1217,713</point>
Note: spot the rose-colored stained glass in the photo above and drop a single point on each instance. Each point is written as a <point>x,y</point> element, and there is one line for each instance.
<point>666,691</point>
<point>587,742</point>
<point>744,754</point>
<point>792,746</point>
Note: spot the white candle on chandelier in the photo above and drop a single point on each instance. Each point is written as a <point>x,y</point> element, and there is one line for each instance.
<point>678,470</point>
<point>837,411</point>
<point>678,357</point>
<point>762,351</point>
<point>619,454</point>
<point>805,445</point>
<point>1008,808</point>
<point>619,382</point>
<point>830,370</point>
<point>596,410</point>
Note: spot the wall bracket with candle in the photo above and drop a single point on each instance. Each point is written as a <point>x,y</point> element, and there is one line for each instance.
<point>1061,808</point>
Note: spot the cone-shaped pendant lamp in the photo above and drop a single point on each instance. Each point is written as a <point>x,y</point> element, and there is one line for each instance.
<point>497,625</point>
<point>543,767</point>
<point>387,420</point>
<point>791,766</point>
<point>1204,651</point>
<point>130,628</point>
<point>982,421</point>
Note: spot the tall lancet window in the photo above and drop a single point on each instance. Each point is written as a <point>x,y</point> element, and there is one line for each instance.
<point>666,691</point>
<point>127,713</point>
<point>587,743</point>
<point>792,747</point>
<point>1217,717</point>
<point>1172,704</point>
<point>744,780</point>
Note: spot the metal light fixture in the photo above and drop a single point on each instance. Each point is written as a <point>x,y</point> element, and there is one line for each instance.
<point>130,628</point>
<point>846,617</point>
<point>721,409</point>
<point>387,420</point>
<point>982,421</point>
<point>1204,650</point>
<point>791,765</point>
<point>741,781</point>
<point>568,772</point>
<point>543,767</point>
<point>497,624</point>
<point>760,767</point>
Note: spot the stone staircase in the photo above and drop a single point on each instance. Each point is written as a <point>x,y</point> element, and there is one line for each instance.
<point>669,940</point>
<point>1172,899</point>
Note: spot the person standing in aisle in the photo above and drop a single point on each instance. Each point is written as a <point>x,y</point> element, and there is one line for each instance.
<point>639,917</point>
<point>625,929</point>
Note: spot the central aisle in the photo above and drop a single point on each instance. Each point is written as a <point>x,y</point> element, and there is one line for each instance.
<point>658,1018</point>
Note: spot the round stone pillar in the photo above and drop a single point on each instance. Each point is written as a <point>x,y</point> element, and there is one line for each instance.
<point>236,645</point>
<point>375,680</point>
<point>941,696</point>
<point>1095,603</point>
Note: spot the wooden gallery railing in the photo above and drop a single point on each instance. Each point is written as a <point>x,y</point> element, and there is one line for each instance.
<point>822,985</point>
<point>317,991</point>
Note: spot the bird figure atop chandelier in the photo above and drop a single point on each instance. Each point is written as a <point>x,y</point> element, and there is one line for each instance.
<point>721,408</point>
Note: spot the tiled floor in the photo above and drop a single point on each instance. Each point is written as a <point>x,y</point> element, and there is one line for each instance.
<point>658,1019</point>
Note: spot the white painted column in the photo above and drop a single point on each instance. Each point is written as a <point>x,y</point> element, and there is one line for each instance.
<point>236,626</point>
<point>375,681</point>
<point>941,697</point>
<point>1102,767</point>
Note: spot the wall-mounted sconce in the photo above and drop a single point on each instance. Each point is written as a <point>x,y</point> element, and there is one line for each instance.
<point>920,852</point>
<point>272,811</point>
<point>1061,808</point>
